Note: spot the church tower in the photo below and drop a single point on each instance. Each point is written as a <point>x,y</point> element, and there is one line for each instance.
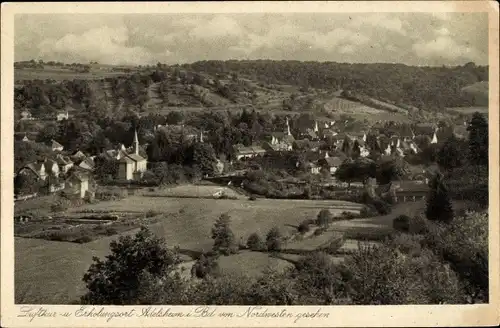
<point>136,143</point>
<point>288,133</point>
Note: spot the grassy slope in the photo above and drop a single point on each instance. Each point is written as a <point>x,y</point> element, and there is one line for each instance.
<point>51,271</point>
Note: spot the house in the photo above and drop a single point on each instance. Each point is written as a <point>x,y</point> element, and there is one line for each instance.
<point>54,184</point>
<point>131,166</point>
<point>25,139</point>
<point>242,152</point>
<point>78,156</point>
<point>56,146</point>
<point>26,115</point>
<point>51,167</point>
<point>64,162</point>
<point>331,163</point>
<point>410,191</point>
<point>77,184</point>
<point>312,168</point>
<point>125,168</point>
<point>219,166</point>
<point>460,132</point>
<point>62,116</point>
<point>88,163</point>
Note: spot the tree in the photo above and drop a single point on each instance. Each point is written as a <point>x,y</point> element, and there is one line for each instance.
<point>273,240</point>
<point>359,170</point>
<point>451,154</point>
<point>324,218</point>
<point>106,168</point>
<point>201,155</point>
<point>26,183</point>
<point>224,240</point>
<point>119,278</point>
<point>438,202</point>
<point>206,265</point>
<point>356,150</point>
<point>390,169</point>
<point>346,146</point>
<point>254,242</point>
<point>478,140</point>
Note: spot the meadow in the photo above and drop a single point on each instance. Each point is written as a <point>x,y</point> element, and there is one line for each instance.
<point>61,74</point>
<point>51,271</point>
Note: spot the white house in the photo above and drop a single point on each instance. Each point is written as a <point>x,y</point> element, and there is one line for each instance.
<point>131,166</point>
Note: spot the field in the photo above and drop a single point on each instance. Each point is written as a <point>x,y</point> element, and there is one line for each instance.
<point>60,74</point>
<point>468,110</point>
<point>360,111</point>
<point>51,272</point>
<point>197,191</point>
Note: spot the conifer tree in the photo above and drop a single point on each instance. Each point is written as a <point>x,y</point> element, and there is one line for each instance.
<point>478,140</point>
<point>222,235</point>
<point>438,202</point>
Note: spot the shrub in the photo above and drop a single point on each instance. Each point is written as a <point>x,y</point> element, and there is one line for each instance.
<point>204,266</point>
<point>303,228</point>
<point>273,240</point>
<point>151,213</point>
<point>319,231</point>
<point>120,278</point>
<point>224,240</point>
<point>384,275</point>
<point>254,242</point>
<point>382,207</point>
<point>83,239</point>
<point>464,243</point>
<point>348,215</point>
<point>253,198</point>
<point>401,223</point>
<point>368,211</point>
<point>324,218</point>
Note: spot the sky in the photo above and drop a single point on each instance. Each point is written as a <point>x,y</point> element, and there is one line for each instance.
<point>131,39</point>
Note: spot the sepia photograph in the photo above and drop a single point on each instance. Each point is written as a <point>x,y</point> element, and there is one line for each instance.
<point>249,158</point>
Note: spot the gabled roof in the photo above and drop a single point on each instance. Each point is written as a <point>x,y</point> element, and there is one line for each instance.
<point>89,161</point>
<point>135,157</point>
<point>33,168</point>
<point>126,159</point>
<point>55,144</point>
<point>78,175</point>
<point>334,161</point>
<point>63,160</point>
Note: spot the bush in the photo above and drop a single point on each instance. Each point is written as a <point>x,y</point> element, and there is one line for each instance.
<point>464,243</point>
<point>273,240</point>
<point>382,207</point>
<point>206,265</point>
<point>224,240</point>
<point>254,242</point>
<point>151,213</point>
<point>402,223</point>
<point>253,198</point>
<point>121,277</point>
<point>368,211</point>
<point>303,228</point>
<point>324,218</point>
<point>319,231</point>
<point>384,275</point>
<point>83,239</point>
<point>348,215</point>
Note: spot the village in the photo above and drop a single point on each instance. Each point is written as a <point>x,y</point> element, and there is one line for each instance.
<point>71,173</point>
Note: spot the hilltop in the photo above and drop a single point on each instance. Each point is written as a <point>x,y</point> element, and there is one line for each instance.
<point>379,91</point>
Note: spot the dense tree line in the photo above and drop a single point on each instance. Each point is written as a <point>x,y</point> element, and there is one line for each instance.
<point>422,87</point>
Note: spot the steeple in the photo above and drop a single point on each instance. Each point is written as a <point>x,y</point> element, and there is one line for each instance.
<point>316,126</point>
<point>434,137</point>
<point>201,136</point>
<point>136,143</point>
<point>288,133</point>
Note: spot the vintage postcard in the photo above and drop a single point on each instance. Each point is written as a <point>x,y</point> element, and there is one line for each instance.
<point>250,164</point>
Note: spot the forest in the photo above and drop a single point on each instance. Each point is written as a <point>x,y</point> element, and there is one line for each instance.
<point>427,88</point>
